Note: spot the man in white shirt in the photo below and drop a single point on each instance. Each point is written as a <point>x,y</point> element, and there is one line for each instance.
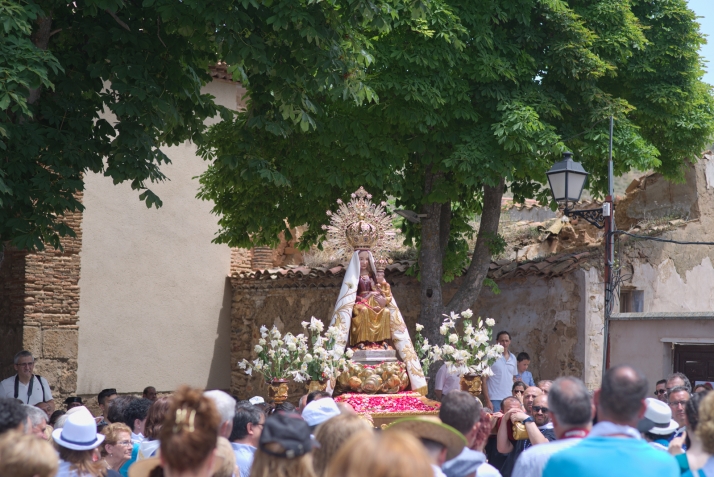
<point>445,382</point>
<point>571,411</point>
<point>27,387</point>
<point>498,387</point>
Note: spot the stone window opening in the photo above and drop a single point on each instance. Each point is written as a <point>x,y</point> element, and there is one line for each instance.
<point>632,300</point>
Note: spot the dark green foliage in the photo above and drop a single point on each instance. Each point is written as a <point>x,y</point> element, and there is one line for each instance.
<point>471,92</point>
<point>62,64</point>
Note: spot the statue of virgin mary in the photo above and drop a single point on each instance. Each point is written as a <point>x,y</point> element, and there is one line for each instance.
<point>366,313</point>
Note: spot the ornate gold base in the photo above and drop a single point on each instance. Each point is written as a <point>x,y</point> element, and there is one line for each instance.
<point>315,385</point>
<point>278,390</point>
<point>471,383</point>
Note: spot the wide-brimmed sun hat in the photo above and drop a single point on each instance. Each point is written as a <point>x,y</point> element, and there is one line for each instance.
<point>431,427</point>
<point>79,432</point>
<point>657,419</point>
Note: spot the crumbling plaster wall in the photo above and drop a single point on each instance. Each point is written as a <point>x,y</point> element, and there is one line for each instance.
<point>674,277</point>
<point>543,316</point>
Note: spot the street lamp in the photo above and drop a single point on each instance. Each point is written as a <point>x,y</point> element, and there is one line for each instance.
<point>567,180</point>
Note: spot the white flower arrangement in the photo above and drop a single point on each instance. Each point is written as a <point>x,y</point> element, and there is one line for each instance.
<point>279,357</point>
<point>470,351</point>
<point>324,362</point>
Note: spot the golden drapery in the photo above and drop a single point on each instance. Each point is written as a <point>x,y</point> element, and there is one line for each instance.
<point>369,325</point>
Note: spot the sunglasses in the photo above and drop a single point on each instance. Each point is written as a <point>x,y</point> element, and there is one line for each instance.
<point>518,392</point>
<point>660,391</point>
<point>542,409</point>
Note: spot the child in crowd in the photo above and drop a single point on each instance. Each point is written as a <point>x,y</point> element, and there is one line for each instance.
<point>523,374</point>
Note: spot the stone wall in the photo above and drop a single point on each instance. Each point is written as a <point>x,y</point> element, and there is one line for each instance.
<point>51,327</point>
<point>543,315</point>
<point>39,300</point>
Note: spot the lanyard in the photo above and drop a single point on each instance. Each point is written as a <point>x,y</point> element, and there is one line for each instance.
<point>29,387</point>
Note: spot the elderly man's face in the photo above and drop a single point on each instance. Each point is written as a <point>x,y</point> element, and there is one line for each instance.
<point>678,404</point>
<point>529,397</point>
<point>38,430</point>
<point>540,410</point>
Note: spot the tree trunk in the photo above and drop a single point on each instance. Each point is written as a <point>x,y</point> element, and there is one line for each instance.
<point>431,264</point>
<point>41,39</point>
<point>470,288</point>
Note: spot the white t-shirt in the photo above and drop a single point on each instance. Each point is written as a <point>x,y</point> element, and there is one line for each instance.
<point>446,382</point>
<point>501,383</point>
<point>7,390</point>
<point>487,470</point>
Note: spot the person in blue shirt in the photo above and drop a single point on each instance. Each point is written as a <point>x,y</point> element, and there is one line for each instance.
<point>247,427</point>
<point>523,374</point>
<point>614,446</point>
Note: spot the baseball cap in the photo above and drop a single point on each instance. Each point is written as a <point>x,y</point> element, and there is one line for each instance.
<point>289,431</point>
<point>320,411</point>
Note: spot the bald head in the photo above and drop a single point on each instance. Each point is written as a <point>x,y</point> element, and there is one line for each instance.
<point>570,402</point>
<point>621,398</point>
<point>529,396</point>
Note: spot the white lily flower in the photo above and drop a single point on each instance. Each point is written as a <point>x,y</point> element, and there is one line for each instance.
<point>419,327</point>
<point>453,338</point>
<point>292,347</point>
<point>490,322</point>
<point>467,313</point>
<point>258,348</point>
<point>262,342</point>
<point>304,324</point>
<point>443,329</point>
<point>349,353</point>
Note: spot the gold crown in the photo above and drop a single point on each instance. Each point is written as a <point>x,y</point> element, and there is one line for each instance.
<point>361,235</point>
<point>381,263</point>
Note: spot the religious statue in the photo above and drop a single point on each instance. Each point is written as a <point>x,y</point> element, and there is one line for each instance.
<point>366,313</point>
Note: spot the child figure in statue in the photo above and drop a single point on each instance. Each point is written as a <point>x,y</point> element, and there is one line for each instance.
<point>370,315</point>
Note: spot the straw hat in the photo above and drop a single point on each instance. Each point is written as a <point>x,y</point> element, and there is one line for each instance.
<point>431,427</point>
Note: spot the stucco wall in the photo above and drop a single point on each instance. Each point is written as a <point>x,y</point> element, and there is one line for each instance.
<point>639,343</point>
<point>543,315</point>
<point>154,296</point>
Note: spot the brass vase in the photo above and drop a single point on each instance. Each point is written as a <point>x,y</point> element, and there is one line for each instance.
<point>315,385</point>
<point>471,383</point>
<point>278,390</point>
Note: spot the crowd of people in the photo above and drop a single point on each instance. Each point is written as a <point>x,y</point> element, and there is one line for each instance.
<point>554,429</point>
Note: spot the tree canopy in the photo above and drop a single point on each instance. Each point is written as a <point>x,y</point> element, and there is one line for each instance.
<point>474,96</point>
<point>64,64</point>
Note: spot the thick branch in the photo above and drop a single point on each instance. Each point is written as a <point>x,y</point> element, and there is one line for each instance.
<point>118,20</point>
<point>473,281</point>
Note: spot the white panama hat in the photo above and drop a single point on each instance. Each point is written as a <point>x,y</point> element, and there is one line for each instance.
<point>79,432</point>
<point>657,419</point>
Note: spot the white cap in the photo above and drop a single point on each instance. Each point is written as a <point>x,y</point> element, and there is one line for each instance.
<point>256,400</point>
<point>657,419</point>
<point>319,411</point>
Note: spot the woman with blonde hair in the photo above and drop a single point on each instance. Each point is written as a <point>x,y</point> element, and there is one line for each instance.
<point>284,449</point>
<point>24,455</point>
<point>331,435</point>
<point>384,454</point>
<point>77,442</point>
<point>188,437</point>
<point>116,448</point>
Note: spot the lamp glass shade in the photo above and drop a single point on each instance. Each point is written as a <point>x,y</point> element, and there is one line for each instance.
<point>567,179</point>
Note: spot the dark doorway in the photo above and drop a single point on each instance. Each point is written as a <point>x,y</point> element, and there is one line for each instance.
<point>695,361</point>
